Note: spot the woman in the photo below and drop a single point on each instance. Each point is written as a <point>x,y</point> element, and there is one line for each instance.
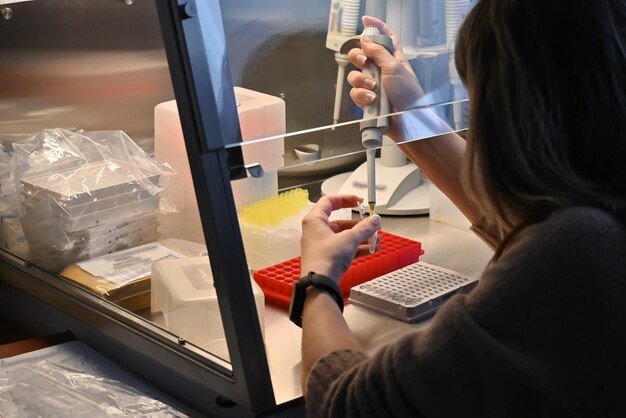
<point>544,182</point>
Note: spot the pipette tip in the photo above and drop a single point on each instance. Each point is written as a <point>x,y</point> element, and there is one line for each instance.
<point>374,238</point>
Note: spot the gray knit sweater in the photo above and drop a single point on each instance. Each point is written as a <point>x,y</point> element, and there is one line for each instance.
<point>543,334</point>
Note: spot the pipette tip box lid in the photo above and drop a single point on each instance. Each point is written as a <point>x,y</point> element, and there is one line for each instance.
<point>395,252</point>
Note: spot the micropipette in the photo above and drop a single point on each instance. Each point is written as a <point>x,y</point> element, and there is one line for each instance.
<point>373,126</point>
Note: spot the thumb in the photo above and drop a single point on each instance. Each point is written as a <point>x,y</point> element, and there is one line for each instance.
<point>364,229</point>
<point>377,53</point>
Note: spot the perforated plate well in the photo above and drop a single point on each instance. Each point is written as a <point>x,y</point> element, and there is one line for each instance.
<point>412,292</point>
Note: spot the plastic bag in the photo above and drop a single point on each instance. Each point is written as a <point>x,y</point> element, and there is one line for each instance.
<point>75,185</point>
<point>47,389</point>
<point>12,236</point>
<point>71,164</point>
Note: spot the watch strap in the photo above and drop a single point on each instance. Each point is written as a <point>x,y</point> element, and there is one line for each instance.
<point>300,290</point>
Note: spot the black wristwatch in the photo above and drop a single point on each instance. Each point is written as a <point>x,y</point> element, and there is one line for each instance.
<point>299,294</point>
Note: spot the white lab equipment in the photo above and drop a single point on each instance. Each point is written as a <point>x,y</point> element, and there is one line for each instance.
<point>342,25</point>
<point>402,190</point>
<point>260,116</point>
<point>183,291</point>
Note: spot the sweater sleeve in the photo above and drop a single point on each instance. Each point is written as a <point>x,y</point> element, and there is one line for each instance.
<point>328,369</point>
<point>520,344</point>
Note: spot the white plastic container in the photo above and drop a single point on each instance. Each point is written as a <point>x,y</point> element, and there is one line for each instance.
<point>269,245</point>
<point>260,116</point>
<point>183,291</point>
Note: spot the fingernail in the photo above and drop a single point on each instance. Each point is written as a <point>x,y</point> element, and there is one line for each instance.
<point>375,219</point>
<point>370,83</point>
<point>361,59</point>
<point>365,38</point>
<point>370,97</point>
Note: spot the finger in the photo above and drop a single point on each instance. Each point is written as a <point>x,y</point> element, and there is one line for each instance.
<point>383,28</point>
<point>398,53</point>
<point>375,52</point>
<point>378,238</point>
<point>357,57</point>
<point>362,230</point>
<point>362,251</point>
<point>387,30</point>
<point>326,204</point>
<point>362,97</point>
<point>366,242</point>
<point>342,225</point>
<point>359,80</point>
<point>376,22</point>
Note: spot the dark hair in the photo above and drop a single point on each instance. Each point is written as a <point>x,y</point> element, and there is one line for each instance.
<point>547,125</point>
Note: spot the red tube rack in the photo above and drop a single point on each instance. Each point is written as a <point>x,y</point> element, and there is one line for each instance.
<point>395,252</point>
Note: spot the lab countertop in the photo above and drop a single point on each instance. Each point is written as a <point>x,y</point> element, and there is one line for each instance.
<point>444,245</point>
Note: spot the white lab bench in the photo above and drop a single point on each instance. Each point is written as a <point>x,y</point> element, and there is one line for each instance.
<point>444,245</point>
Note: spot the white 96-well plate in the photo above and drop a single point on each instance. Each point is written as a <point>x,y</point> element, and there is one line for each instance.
<point>411,293</point>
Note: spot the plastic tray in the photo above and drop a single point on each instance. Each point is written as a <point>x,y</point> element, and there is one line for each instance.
<point>53,249</point>
<point>55,259</point>
<point>147,220</point>
<point>395,252</point>
<point>112,215</point>
<point>100,244</point>
<point>111,239</point>
<point>72,208</point>
<point>119,245</point>
<point>95,185</point>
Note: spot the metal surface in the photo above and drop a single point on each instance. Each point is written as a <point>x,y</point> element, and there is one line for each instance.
<point>79,64</point>
<point>196,51</point>
<point>100,65</point>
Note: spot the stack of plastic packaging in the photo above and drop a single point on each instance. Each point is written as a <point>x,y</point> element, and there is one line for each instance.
<point>12,237</point>
<point>85,194</point>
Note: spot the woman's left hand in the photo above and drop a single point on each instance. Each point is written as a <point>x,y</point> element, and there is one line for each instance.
<point>328,248</point>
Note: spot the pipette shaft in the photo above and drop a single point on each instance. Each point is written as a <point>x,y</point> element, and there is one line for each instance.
<point>371,192</point>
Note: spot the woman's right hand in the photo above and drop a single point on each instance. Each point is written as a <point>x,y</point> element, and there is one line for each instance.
<point>398,79</point>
